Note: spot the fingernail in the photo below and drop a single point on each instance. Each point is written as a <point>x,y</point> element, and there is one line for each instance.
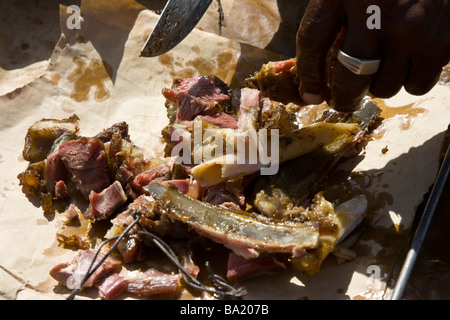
<point>311,98</point>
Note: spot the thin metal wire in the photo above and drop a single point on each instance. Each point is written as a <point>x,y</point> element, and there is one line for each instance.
<point>92,269</point>
<point>221,288</point>
<point>220,282</point>
<point>422,229</point>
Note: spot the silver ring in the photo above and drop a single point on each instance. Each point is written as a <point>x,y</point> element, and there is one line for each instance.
<point>358,66</point>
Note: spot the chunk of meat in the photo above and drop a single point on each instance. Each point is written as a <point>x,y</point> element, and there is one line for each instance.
<point>55,171</point>
<point>239,268</point>
<point>152,282</point>
<point>111,286</point>
<point>85,159</point>
<point>129,248</point>
<point>195,95</point>
<point>61,191</point>
<point>218,118</point>
<point>107,134</point>
<point>185,256</point>
<point>44,134</point>
<point>225,194</point>
<point>186,186</point>
<point>103,204</point>
<point>72,274</point>
<point>181,184</point>
<point>275,115</point>
<point>278,81</point>
<point>156,173</point>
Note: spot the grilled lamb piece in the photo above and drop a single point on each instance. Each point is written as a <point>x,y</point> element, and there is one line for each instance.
<point>192,96</point>
<point>239,268</point>
<point>153,282</point>
<point>218,118</point>
<point>147,283</point>
<point>44,135</point>
<point>55,171</point>
<point>71,274</point>
<point>104,204</point>
<point>156,173</point>
<point>108,282</point>
<point>111,286</point>
<point>85,159</point>
<point>278,81</point>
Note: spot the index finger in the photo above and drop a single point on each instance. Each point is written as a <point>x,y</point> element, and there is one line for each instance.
<point>318,30</point>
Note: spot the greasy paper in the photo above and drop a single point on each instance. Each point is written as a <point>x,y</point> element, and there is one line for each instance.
<point>96,73</point>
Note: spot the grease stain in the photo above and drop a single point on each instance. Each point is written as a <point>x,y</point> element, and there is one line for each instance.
<point>87,74</point>
<point>407,113</point>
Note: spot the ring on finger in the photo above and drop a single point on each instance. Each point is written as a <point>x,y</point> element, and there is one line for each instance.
<point>358,66</point>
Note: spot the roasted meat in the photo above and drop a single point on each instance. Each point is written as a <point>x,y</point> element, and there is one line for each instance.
<point>278,81</point>
<point>249,235</point>
<point>71,274</point>
<point>242,174</point>
<point>45,135</point>
<point>192,96</point>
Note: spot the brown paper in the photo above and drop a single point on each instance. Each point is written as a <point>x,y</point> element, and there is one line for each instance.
<point>396,168</point>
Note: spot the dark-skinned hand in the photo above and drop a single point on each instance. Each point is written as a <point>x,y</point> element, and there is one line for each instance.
<point>413,44</point>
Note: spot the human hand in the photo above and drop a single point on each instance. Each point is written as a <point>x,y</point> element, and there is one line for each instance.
<point>412,43</point>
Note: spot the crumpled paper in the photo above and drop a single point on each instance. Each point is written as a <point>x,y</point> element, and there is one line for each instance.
<point>96,73</point>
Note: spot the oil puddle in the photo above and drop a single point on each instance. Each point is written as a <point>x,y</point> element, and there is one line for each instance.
<point>407,113</point>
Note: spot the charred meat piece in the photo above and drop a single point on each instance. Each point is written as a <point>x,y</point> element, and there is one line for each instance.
<point>229,194</point>
<point>107,134</point>
<point>277,80</point>
<point>275,115</point>
<point>193,96</point>
<point>43,136</point>
<point>147,283</point>
<point>169,138</point>
<point>32,179</point>
<point>61,190</point>
<point>86,161</point>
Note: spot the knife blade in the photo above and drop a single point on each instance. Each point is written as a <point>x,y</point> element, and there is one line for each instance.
<point>176,21</point>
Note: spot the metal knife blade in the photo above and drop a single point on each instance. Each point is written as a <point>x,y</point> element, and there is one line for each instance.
<point>176,21</point>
